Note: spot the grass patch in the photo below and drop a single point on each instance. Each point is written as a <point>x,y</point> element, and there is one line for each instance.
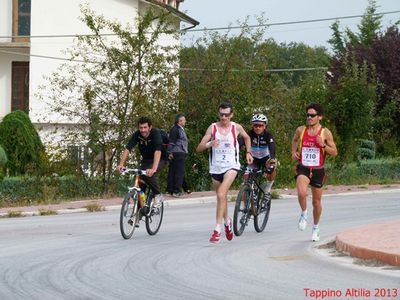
<point>275,195</point>
<point>14,214</point>
<point>94,207</point>
<point>47,212</point>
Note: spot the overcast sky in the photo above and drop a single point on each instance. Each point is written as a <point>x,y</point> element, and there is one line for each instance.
<point>220,13</point>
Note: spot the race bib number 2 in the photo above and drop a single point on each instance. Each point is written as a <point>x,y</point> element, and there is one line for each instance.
<point>310,157</point>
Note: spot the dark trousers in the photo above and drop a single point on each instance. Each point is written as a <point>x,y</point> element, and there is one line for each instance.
<point>176,173</point>
<point>152,181</point>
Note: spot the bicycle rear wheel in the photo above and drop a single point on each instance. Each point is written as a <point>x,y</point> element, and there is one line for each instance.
<point>242,210</point>
<point>263,209</point>
<point>154,219</point>
<point>129,215</point>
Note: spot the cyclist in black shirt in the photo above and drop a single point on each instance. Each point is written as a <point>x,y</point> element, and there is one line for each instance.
<point>263,148</point>
<point>154,156</point>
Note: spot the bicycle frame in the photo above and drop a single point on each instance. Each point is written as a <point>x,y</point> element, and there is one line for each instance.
<point>133,208</point>
<point>255,186</point>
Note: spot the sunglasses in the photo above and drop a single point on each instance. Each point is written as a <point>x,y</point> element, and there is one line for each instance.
<point>311,115</point>
<point>258,125</point>
<point>225,114</point>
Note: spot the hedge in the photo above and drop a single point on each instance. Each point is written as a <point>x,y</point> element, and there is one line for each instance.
<point>28,190</point>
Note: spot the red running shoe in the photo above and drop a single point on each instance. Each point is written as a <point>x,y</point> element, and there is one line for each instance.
<point>228,231</point>
<point>215,237</point>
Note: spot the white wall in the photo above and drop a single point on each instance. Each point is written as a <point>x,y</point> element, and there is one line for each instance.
<point>5,59</point>
<point>49,17</point>
<point>5,19</point>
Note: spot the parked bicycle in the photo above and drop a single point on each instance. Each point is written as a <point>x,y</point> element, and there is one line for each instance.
<point>251,201</point>
<point>138,204</point>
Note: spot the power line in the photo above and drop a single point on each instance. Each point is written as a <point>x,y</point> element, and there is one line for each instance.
<point>183,31</point>
<point>256,70</point>
<point>40,56</point>
<point>289,22</point>
<point>179,69</point>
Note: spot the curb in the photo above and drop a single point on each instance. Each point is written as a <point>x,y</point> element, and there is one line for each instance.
<point>194,201</point>
<point>372,242</point>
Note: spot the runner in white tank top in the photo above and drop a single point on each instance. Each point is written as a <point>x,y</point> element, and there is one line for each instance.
<point>225,156</point>
<point>221,137</point>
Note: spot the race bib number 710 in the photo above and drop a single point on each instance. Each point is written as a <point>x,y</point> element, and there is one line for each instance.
<point>310,157</point>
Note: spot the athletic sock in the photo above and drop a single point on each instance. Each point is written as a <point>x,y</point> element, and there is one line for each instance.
<point>269,186</point>
<point>228,222</point>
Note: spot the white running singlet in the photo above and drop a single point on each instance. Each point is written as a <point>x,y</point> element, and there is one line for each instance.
<point>226,155</point>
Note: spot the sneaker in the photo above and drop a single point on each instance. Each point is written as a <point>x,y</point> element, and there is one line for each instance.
<point>302,222</point>
<point>177,195</point>
<point>228,231</point>
<point>158,200</point>
<point>315,235</point>
<point>215,237</point>
<point>188,192</point>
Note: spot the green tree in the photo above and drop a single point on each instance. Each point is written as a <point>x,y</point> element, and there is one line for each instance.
<point>369,28</point>
<point>350,106</point>
<point>244,69</point>
<point>116,79</point>
<point>22,144</point>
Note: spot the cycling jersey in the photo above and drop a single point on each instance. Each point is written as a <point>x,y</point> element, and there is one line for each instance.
<point>262,146</point>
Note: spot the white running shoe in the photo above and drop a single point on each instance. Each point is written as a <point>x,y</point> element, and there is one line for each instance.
<point>315,235</point>
<point>158,200</point>
<point>303,222</point>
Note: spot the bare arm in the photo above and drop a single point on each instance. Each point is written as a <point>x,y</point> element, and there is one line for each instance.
<point>206,141</point>
<point>296,137</point>
<point>329,144</point>
<point>247,142</point>
<point>123,159</point>
<point>156,161</point>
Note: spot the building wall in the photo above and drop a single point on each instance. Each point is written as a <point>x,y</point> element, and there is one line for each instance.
<point>63,20</point>
<point>5,19</point>
<point>5,59</point>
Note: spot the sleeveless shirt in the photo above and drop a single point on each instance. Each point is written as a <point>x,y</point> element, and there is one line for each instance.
<point>226,155</point>
<point>311,154</point>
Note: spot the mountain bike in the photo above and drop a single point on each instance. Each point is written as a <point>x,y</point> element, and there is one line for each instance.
<point>138,204</point>
<point>251,201</point>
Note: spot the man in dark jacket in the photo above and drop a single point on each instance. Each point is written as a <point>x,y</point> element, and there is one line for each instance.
<point>178,151</point>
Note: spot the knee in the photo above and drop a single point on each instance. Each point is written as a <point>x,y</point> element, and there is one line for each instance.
<point>221,195</point>
<point>316,203</point>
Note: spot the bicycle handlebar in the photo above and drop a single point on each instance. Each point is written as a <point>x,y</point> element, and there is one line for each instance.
<point>127,171</point>
<point>253,170</point>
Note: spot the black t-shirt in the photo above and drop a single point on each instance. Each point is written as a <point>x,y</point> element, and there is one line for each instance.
<point>147,146</point>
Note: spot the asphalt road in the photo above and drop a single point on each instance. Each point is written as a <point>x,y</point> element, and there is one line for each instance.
<point>83,256</point>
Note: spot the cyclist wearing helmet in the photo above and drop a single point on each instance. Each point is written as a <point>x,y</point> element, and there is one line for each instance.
<point>263,148</point>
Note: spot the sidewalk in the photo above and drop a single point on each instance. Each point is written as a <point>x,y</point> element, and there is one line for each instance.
<point>380,242</point>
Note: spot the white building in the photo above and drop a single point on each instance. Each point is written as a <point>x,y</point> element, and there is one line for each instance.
<point>33,35</point>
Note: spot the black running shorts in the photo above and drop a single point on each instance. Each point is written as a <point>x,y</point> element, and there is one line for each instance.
<point>317,176</point>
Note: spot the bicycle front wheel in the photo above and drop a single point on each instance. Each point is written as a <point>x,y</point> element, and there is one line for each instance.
<point>154,219</point>
<point>242,210</point>
<point>129,215</point>
<point>263,209</point>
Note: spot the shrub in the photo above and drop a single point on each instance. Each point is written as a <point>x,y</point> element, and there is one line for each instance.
<point>22,144</point>
<point>3,157</point>
<point>366,149</point>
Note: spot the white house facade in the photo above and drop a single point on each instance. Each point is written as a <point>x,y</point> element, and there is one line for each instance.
<point>34,35</point>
